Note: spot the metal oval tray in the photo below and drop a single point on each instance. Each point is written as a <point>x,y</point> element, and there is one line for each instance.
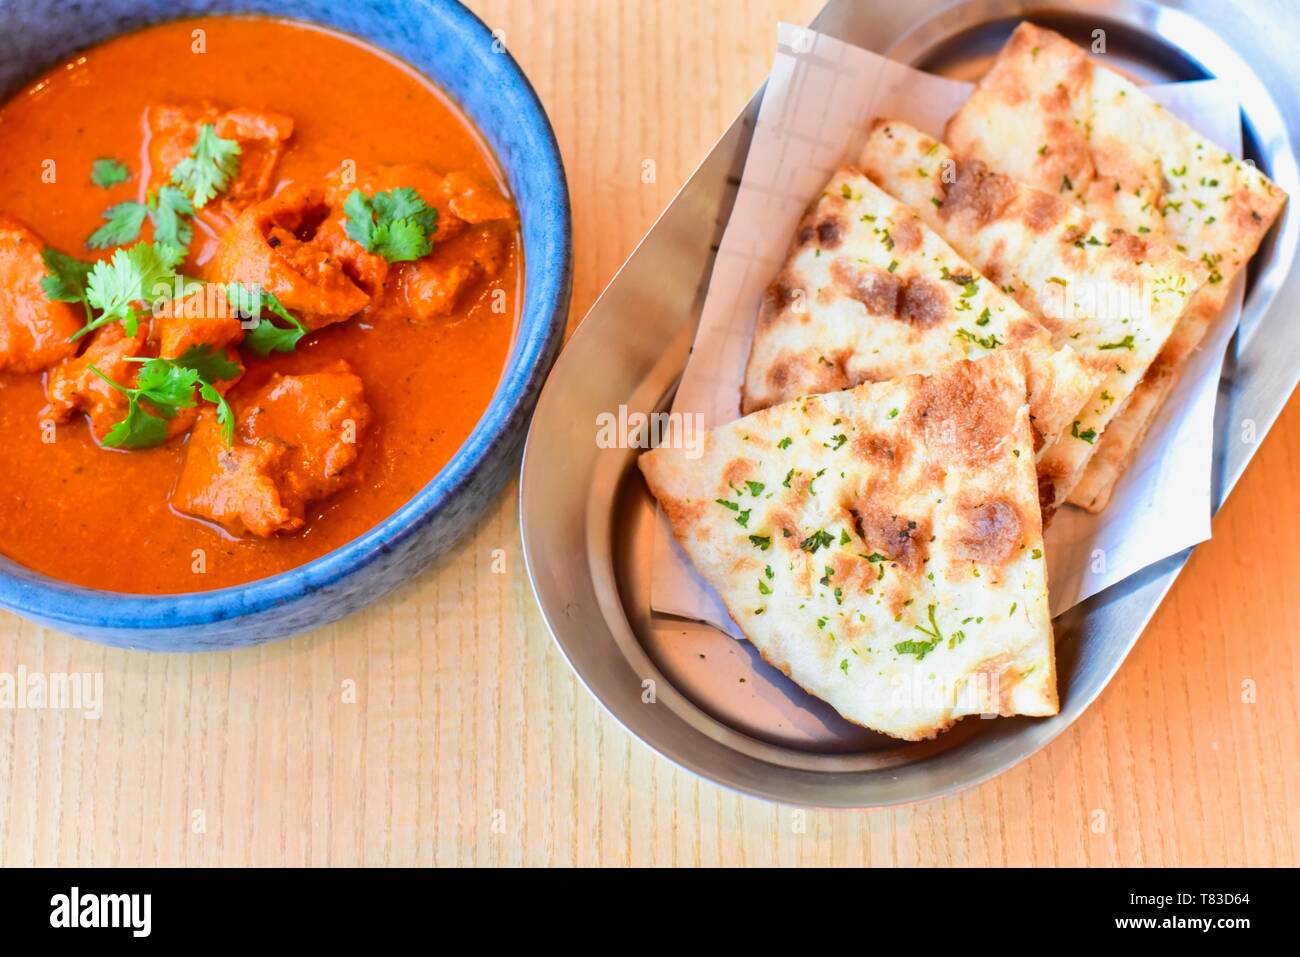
<point>709,703</point>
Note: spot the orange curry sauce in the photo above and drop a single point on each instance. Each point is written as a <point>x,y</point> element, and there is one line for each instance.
<point>101,517</point>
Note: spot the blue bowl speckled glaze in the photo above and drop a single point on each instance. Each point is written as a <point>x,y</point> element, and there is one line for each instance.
<point>456,50</point>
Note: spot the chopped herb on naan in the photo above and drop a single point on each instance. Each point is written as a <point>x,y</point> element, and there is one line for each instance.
<point>1113,296</point>
<point>882,545</point>
<point>1049,115</point>
<point>870,292</point>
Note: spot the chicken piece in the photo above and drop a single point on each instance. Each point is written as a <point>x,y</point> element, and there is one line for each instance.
<point>271,245</point>
<point>203,318</point>
<point>469,244</point>
<point>34,331</point>
<point>261,135</point>
<point>368,271</point>
<point>295,440</point>
<point>72,387</point>
<point>430,185</point>
<point>474,202</point>
<point>436,285</point>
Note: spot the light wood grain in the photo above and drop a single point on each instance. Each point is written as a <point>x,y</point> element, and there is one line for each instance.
<point>441,726</point>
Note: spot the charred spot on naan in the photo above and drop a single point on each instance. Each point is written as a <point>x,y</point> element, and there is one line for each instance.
<point>1043,211</point>
<point>805,374</point>
<point>903,541</point>
<point>785,529</point>
<point>989,532</point>
<point>907,234</point>
<point>824,225</point>
<point>877,289</point>
<point>783,296</point>
<point>886,452</point>
<point>976,192</point>
<point>735,472</point>
<point>962,412</point>
<point>913,300</point>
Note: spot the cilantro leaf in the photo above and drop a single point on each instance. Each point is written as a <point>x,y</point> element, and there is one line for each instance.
<point>1088,435</point>
<point>225,414</point>
<point>918,648</point>
<point>168,209</point>
<point>122,225</point>
<point>167,385</point>
<point>404,203</point>
<point>818,539</point>
<point>139,429</point>
<point>360,221</point>
<point>402,240</point>
<point>209,168</point>
<point>1125,343</point>
<point>106,172</point>
<point>65,277</point>
<point>212,365</point>
<point>264,336</point>
<point>923,648</point>
<point>395,224</point>
<point>131,275</point>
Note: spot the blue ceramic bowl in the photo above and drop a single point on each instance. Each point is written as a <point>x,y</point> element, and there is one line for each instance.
<point>454,49</point>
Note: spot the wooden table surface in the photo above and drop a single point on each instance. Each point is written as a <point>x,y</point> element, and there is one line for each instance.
<point>441,726</point>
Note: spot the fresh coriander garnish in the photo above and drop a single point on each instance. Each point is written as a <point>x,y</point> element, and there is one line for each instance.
<point>131,275</point>
<point>122,222</point>
<point>265,337</point>
<point>65,278</point>
<point>168,208</point>
<point>168,386</point>
<point>208,170</point>
<point>395,224</point>
<point>106,172</point>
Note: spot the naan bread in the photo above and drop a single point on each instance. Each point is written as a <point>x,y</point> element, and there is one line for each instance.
<point>1113,296</point>
<point>869,293</point>
<point>882,546</point>
<point>1052,117</point>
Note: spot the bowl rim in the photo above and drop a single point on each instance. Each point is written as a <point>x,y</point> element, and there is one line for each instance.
<point>36,596</point>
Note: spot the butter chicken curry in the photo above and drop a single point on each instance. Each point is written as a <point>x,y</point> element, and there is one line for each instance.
<point>257,284</point>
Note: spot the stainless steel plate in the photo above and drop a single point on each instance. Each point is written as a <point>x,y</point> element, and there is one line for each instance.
<point>708,703</point>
